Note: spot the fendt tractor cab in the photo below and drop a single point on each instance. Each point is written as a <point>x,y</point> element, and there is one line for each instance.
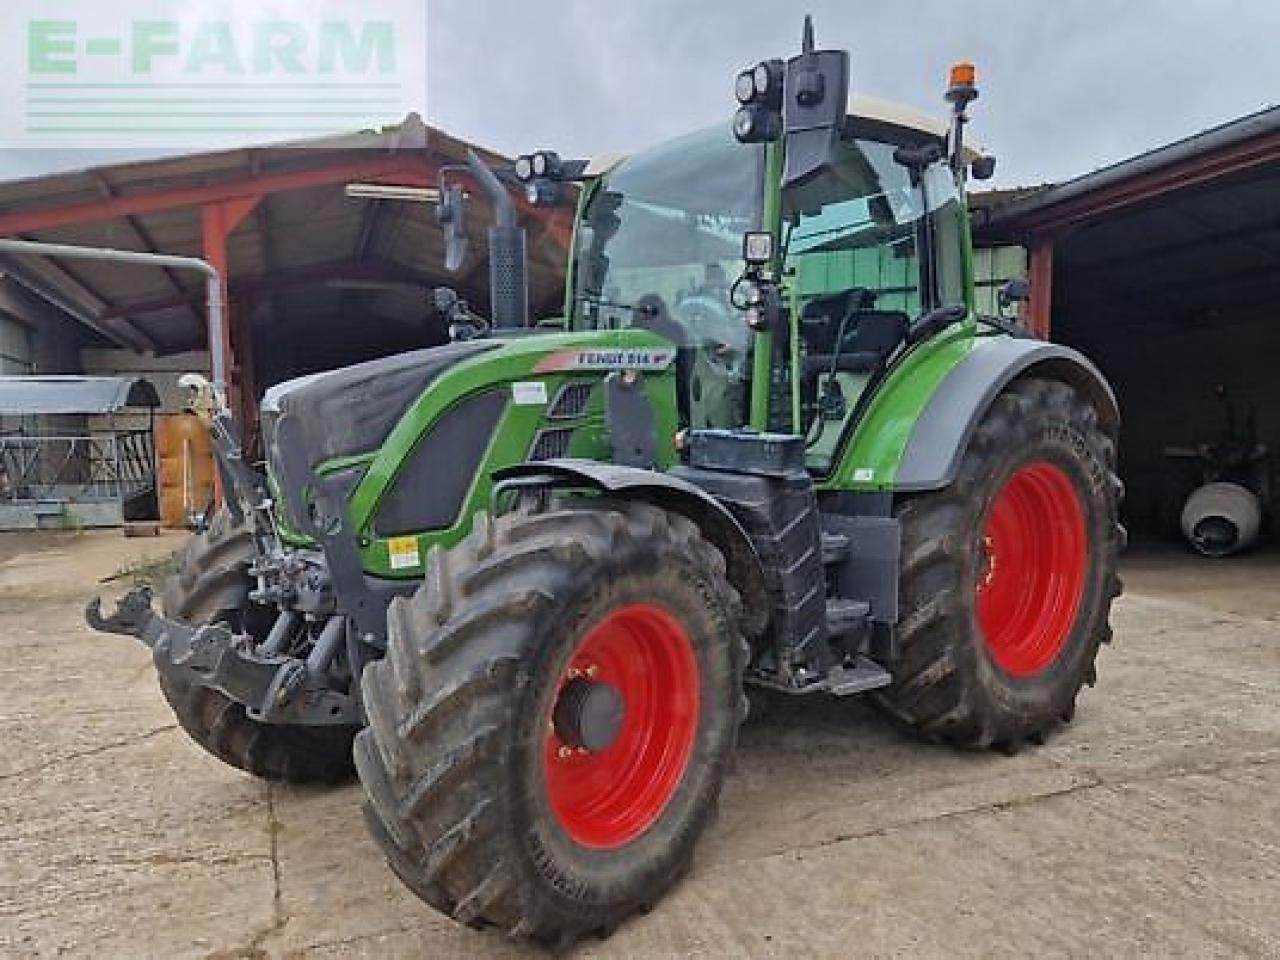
<point>522,578</point>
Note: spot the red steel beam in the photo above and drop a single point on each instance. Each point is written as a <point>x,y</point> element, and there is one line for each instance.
<point>1040,277</point>
<point>218,221</point>
<point>269,282</point>
<point>1179,176</point>
<point>399,169</point>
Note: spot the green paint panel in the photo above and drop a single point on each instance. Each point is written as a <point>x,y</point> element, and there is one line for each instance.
<point>870,461</point>
<point>516,360</point>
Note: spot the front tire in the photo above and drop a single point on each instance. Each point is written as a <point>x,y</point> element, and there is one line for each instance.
<point>552,723</point>
<point>1008,575</point>
<point>212,586</point>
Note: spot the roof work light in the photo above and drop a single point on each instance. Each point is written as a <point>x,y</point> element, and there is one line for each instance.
<point>758,90</point>
<point>542,172</point>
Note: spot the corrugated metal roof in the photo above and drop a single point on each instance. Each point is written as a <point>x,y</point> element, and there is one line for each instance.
<point>1225,137</point>
<point>305,256</point>
<point>32,396</point>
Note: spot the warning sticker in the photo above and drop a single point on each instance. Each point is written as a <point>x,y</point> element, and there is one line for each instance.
<point>529,393</point>
<point>403,553</point>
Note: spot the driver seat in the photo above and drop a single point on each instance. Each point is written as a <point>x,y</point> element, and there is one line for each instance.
<point>844,369</point>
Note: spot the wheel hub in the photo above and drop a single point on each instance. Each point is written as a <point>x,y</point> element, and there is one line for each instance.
<point>622,726</point>
<point>1031,575</point>
<point>589,715</point>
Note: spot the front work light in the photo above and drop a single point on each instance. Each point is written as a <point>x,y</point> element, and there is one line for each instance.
<point>524,168</point>
<point>756,124</point>
<point>744,88</point>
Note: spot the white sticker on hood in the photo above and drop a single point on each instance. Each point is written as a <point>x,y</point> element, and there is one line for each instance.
<point>530,393</point>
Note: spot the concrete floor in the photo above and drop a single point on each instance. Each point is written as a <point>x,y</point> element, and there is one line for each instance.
<point>1151,826</point>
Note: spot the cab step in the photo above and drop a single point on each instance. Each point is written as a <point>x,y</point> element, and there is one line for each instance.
<point>846,616</point>
<point>836,547</point>
<point>864,675</point>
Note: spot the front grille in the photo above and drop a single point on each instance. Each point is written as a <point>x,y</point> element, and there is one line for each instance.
<point>571,401</point>
<point>551,444</point>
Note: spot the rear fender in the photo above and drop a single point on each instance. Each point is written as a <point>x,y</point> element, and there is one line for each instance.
<point>919,422</point>
<point>670,493</point>
<point>941,434</point>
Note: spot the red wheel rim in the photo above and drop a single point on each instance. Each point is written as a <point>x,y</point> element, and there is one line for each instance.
<point>1032,582</point>
<point>606,799</point>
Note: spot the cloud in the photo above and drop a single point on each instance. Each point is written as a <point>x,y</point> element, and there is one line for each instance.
<point>1066,87</point>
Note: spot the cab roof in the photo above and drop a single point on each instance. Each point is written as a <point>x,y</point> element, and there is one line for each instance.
<point>876,110</point>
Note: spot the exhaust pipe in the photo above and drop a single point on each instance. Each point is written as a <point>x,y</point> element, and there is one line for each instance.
<point>508,284</point>
<point>1220,519</point>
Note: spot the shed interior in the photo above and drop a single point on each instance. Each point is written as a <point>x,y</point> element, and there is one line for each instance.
<point>1178,301</point>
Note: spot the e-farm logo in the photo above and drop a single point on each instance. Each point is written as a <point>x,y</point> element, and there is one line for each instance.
<point>183,74</point>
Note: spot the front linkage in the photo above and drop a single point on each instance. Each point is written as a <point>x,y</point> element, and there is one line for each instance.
<point>327,612</point>
<point>273,688</point>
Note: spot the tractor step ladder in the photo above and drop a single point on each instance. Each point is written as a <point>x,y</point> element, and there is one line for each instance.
<point>835,547</point>
<point>864,675</point>
<point>846,616</point>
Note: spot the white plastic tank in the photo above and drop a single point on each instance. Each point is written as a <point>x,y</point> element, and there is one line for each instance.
<point>1222,518</point>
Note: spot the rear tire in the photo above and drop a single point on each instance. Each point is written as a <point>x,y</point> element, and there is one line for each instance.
<point>1008,575</point>
<point>211,586</point>
<point>481,807</point>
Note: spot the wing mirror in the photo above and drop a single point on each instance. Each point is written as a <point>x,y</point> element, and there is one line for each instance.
<point>1016,290</point>
<point>451,214</point>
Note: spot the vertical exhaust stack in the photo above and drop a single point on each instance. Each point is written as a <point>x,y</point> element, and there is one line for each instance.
<point>508,280</point>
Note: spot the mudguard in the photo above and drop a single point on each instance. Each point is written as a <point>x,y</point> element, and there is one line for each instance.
<point>669,492</point>
<point>938,440</point>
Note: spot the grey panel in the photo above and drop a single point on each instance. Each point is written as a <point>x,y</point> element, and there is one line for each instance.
<point>938,441</point>
<point>428,492</point>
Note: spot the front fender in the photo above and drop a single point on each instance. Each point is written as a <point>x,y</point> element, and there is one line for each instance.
<point>671,493</point>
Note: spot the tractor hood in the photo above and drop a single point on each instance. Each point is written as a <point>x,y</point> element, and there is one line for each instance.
<point>411,441</point>
<point>351,410</point>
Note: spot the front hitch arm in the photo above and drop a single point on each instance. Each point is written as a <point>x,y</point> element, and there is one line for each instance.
<point>132,617</point>
<point>272,688</point>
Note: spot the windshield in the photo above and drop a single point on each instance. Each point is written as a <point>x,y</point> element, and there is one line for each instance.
<point>659,246</point>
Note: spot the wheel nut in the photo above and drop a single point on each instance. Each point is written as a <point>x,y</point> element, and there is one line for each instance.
<point>564,753</point>
<point>592,670</point>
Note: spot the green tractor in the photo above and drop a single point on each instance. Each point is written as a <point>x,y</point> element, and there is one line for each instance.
<point>522,581</point>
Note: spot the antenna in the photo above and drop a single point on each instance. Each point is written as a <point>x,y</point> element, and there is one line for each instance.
<point>806,43</point>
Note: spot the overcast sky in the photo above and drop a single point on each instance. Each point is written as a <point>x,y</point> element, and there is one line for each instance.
<point>1067,86</point>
